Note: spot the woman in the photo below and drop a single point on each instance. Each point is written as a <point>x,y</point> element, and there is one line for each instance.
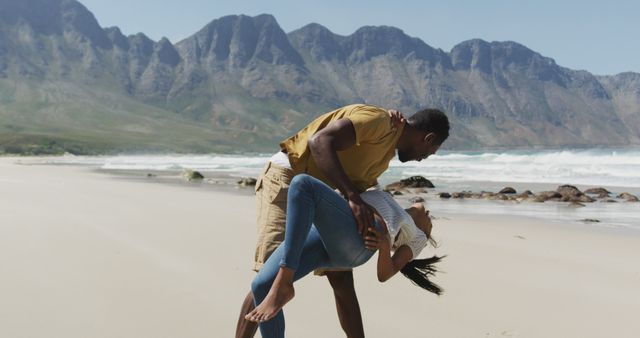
<point>321,232</point>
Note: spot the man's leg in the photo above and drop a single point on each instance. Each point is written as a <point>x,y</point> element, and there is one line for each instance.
<point>346,302</point>
<point>271,203</point>
<point>245,328</point>
<point>336,225</point>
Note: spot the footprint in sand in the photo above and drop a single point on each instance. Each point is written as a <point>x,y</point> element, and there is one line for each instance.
<point>508,333</point>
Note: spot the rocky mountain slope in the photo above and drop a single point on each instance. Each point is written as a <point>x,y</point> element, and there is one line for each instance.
<point>241,84</point>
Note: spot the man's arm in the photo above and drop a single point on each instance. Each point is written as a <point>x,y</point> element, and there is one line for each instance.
<point>324,146</point>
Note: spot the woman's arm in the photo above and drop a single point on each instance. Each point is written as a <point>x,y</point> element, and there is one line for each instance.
<point>388,265</point>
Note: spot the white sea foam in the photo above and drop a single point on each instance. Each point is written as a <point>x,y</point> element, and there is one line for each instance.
<point>606,167</point>
<point>233,164</point>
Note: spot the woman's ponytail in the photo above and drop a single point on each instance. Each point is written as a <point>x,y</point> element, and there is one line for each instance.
<point>419,270</point>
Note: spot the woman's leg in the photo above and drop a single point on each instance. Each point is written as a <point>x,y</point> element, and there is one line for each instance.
<point>313,256</point>
<point>311,200</point>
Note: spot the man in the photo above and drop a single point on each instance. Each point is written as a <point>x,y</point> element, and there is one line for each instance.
<point>348,148</point>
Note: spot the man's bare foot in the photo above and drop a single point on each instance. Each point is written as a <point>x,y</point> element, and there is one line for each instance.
<point>279,295</point>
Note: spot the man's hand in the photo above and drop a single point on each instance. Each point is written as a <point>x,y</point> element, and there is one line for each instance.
<point>362,212</point>
<point>377,239</point>
<point>396,118</point>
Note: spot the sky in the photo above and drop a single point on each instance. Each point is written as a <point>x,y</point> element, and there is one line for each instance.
<point>601,37</point>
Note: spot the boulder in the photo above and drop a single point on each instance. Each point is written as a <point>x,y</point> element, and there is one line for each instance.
<point>536,199</point>
<point>487,194</point>
<point>599,192</point>
<point>507,190</point>
<point>573,198</point>
<point>569,190</point>
<point>467,194</point>
<point>585,199</point>
<point>397,193</point>
<point>629,197</point>
<point>411,182</point>
<point>416,199</point>
<point>525,195</point>
<point>445,195</point>
<point>501,197</point>
<point>457,195</point>
<point>191,175</point>
<point>576,204</point>
<point>547,195</point>
<point>247,181</point>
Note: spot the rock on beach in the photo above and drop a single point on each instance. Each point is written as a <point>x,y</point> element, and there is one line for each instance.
<point>247,181</point>
<point>411,182</point>
<point>191,175</point>
<point>507,190</point>
<point>629,197</point>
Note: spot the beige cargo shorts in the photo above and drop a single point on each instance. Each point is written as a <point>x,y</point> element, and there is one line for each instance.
<point>272,188</point>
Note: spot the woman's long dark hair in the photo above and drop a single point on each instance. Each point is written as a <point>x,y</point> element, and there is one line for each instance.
<point>419,270</point>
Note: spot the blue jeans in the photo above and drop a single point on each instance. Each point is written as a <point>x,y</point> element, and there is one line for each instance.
<point>321,232</point>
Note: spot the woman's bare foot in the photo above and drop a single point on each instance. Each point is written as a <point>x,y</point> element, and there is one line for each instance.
<point>281,293</point>
<point>275,300</point>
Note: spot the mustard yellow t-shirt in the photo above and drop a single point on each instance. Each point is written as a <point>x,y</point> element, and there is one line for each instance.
<point>363,162</point>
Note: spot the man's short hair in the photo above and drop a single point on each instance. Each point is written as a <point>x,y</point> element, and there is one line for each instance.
<point>431,121</point>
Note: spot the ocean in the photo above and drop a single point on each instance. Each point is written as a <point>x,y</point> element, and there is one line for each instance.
<point>617,170</point>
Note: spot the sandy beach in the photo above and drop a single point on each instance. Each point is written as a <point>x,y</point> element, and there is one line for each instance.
<point>85,254</point>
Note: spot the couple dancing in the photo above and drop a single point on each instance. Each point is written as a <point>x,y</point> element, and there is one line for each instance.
<point>305,225</point>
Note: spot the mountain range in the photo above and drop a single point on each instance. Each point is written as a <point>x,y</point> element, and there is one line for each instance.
<point>242,84</point>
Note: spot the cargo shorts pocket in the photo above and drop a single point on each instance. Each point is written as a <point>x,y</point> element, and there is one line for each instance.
<point>275,188</point>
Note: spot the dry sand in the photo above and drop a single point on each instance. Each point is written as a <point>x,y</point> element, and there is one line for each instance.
<point>84,254</point>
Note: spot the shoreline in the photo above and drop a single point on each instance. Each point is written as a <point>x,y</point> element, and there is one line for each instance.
<point>466,150</point>
<point>136,260</point>
<point>249,165</point>
<point>608,215</point>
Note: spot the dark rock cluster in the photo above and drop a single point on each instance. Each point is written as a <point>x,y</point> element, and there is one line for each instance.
<point>564,193</point>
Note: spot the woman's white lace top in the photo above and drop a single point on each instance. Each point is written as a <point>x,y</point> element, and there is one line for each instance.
<point>399,222</point>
